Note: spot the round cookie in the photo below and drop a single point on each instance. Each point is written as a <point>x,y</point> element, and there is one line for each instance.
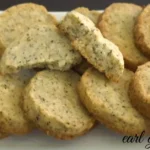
<point>142,30</point>
<point>109,102</point>
<point>12,119</point>
<point>52,103</point>
<point>42,46</point>
<point>140,89</point>
<point>117,25</point>
<point>17,19</point>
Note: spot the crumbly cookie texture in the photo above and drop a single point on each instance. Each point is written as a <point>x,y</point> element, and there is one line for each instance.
<point>142,30</point>
<point>17,19</point>
<point>88,40</point>
<point>110,104</point>
<point>12,119</point>
<point>140,88</point>
<point>52,103</point>
<point>117,25</point>
<point>42,46</point>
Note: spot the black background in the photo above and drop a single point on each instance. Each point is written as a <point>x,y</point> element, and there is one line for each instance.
<point>62,5</point>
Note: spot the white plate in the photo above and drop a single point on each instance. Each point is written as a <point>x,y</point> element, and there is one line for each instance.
<point>99,138</point>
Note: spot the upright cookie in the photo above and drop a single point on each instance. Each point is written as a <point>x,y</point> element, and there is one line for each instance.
<point>110,104</point>
<point>117,25</point>
<point>12,119</point>
<point>140,89</point>
<point>142,30</point>
<point>88,40</point>
<point>42,46</point>
<point>17,19</point>
<point>94,16</point>
<point>52,103</point>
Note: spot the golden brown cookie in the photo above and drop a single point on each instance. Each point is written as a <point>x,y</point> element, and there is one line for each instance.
<point>42,46</point>
<point>117,25</point>
<point>12,119</point>
<point>88,40</point>
<point>139,91</point>
<point>52,103</point>
<point>142,30</point>
<point>17,19</point>
<point>110,104</point>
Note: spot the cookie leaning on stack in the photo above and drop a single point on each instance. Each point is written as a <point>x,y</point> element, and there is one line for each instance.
<point>94,16</point>
<point>88,40</point>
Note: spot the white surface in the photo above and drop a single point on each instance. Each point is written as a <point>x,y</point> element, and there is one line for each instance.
<point>99,138</point>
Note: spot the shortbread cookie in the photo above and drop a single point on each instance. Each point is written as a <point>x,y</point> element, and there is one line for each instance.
<point>94,16</point>
<point>88,40</point>
<point>142,30</point>
<point>140,89</point>
<point>110,104</point>
<point>52,103</point>
<point>117,25</point>
<point>18,19</point>
<point>42,46</point>
<point>12,120</point>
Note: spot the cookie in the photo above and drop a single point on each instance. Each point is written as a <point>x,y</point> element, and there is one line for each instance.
<point>43,46</point>
<point>142,30</point>
<point>94,16</point>
<point>88,40</point>
<point>52,103</point>
<point>109,102</point>
<point>12,119</point>
<point>117,25</point>
<point>139,89</point>
<point>17,19</point>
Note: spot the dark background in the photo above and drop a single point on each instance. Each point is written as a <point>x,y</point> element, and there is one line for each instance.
<point>62,5</point>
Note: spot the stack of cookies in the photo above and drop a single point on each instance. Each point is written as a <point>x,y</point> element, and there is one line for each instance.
<point>62,77</point>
